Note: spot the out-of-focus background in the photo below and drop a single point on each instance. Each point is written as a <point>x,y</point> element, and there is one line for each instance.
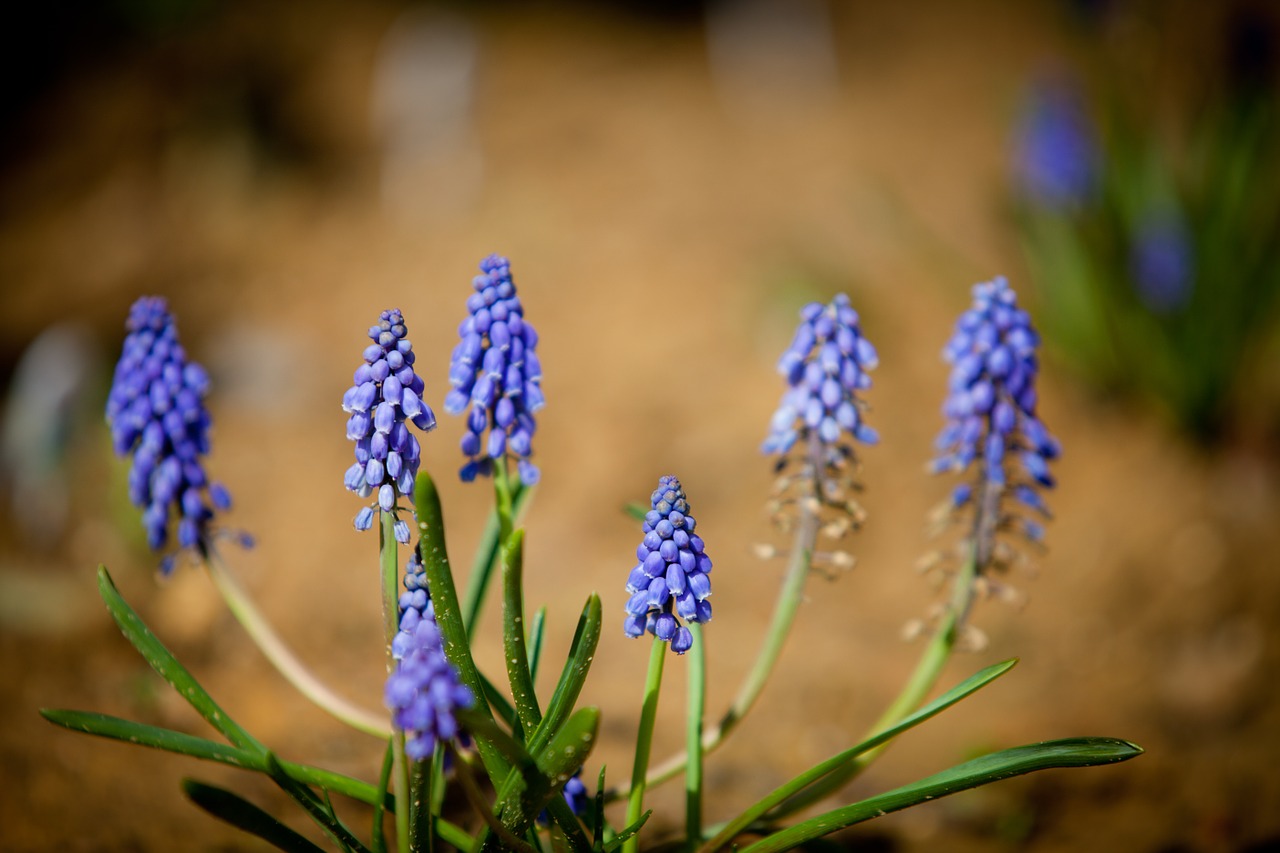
<point>672,181</point>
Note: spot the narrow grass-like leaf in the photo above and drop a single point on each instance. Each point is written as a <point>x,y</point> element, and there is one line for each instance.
<point>513,633</point>
<point>141,734</point>
<point>818,771</point>
<point>1072,752</point>
<point>444,597</point>
<point>167,666</point>
<point>597,814</point>
<point>319,809</point>
<point>486,556</point>
<point>378,836</point>
<point>499,703</point>
<point>627,834</point>
<point>537,633</point>
<point>582,651</point>
<point>568,823</point>
<point>245,816</point>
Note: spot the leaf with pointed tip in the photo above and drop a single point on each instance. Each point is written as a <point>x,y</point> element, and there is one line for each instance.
<point>320,810</point>
<point>244,815</point>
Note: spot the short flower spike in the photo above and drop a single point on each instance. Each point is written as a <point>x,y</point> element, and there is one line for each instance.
<point>156,413</point>
<point>495,371</point>
<point>671,572</point>
<point>991,416</point>
<point>385,397</point>
<point>423,692</point>
<point>1057,151</point>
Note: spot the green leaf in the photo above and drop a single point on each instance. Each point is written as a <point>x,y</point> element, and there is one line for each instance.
<point>513,633</point>
<point>487,556</point>
<point>839,762</point>
<point>444,597</point>
<point>582,652</point>
<point>378,837</point>
<point>537,633</point>
<point>636,511</point>
<point>167,666</point>
<point>627,834</point>
<point>1072,752</point>
<point>141,734</point>
<point>245,816</point>
<point>320,810</point>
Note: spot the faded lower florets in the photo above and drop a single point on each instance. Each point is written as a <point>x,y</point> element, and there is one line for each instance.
<point>156,413</point>
<point>812,434</point>
<point>386,396</point>
<point>495,371</point>
<point>671,573</point>
<point>423,692</point>
<point>992,429</point>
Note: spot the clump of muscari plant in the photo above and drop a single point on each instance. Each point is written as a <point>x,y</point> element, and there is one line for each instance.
<point>518,757</point>
<point>1154,240</point>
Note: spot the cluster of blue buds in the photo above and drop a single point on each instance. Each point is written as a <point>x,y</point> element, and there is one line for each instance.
<point>1057,150</point>
<point>495,370</point>
<point>1161,261</point>
<point>387,395</point>
<point>825,367</point>
<point>671,572</point>
<point>423,692</point>
<point>156,413</point>
<point>991,411</point>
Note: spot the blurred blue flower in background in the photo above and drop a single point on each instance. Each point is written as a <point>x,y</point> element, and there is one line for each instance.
<point>1056,160</point>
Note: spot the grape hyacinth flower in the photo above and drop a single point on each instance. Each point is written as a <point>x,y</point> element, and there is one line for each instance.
<point>992,424</point>
<point>495,370</point>
<point>1161,263</point>
<point>387,395</point>
<point>821,415</point>
<point>671,572</point>
<point>156,412</point>
<point>423,691</point>
<point>1056,159</point>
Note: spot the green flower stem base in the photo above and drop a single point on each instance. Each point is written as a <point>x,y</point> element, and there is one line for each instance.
<point>284,660</point>
<point>390,565</point>
<point>693,723</point>
<point>784,613</point>
<point>644,740</point>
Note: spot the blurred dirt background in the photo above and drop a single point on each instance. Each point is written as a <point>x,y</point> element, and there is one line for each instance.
<point>671,184</point>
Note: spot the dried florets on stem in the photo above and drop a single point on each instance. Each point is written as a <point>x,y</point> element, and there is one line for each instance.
<point>671,572</point>
<point>992,430</point>
<point>156,413</point>
<point>814,429</point>
<point>385,397</point>
<point>495,371</point>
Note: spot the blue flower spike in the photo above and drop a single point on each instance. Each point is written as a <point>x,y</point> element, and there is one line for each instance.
<point>992,430</point>
<point>386,396</point>
<point>423,692</point>
<point>496,377</point>
<point>156,413</point>
<point>670,581</point>
<point>1057,156</point>
<point>820,420</point>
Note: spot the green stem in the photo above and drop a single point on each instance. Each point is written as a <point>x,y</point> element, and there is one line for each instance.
<point>644,741</point>
<point>784,613</point>
<point>922,681</point>
<point>486,557</point>
<point>283,659</point>
<point>390,564</point>
<point>693,740</point>
<point>502,499</point>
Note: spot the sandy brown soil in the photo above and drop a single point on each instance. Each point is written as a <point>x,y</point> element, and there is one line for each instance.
<point>663,235</point>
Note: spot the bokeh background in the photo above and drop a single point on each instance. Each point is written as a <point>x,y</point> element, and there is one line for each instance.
<point>672,181</point>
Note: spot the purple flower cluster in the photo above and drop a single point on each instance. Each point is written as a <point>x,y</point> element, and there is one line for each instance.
<point>991,405</point>
<point>423,692</point>
<point>495,370</point>
<point>671,572</point>
<point>386,395</point>
<point>1161,261</point>
<point>825,367</point>
<point>1057,150</point>
<point>156,413</point>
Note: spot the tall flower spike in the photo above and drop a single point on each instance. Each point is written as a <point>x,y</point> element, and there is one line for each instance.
<point>156,413</point>
<point>991,421</point>
<point>386,395</point>
<point>671,572</point>
<point>821,414</point>
<point>1056,160</point>
<point>423,692</point>
<point>495,370</point>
